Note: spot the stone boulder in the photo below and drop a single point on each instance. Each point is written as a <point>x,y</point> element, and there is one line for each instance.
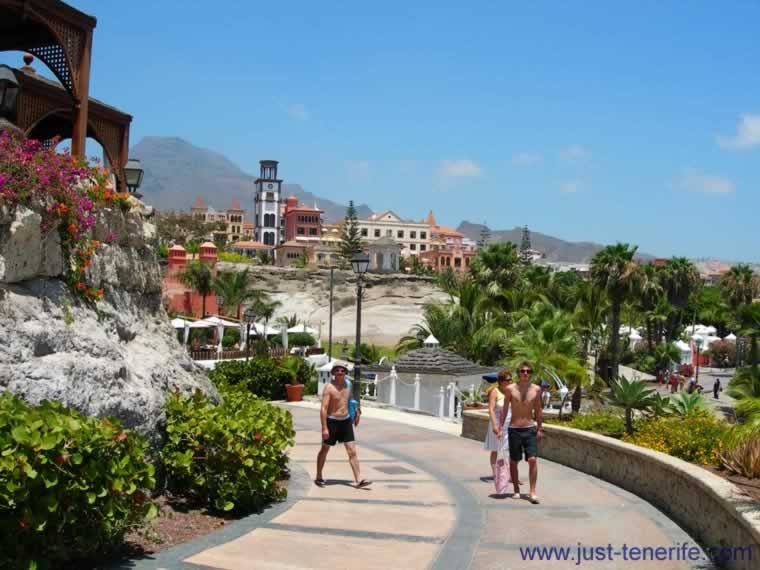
<point>118,357</point>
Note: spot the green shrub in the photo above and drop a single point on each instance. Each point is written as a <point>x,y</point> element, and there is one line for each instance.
<point>234,257</point>
<point>231,338</point>
<point>70,486</point>
<point>226,456</point>
<point>694,438</point>
<point>263,377</point>
<point>598,422</point>
<point>311,388</point>
<point>301,370</point>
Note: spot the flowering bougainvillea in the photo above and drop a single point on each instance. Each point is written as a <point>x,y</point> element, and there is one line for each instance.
<point>65,191</point>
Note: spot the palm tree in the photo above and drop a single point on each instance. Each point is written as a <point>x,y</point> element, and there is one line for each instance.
<point>630,395</point>
<point>265,309</point>
<point>614,270</point>
<point>234,286</point>
<point>749,326</point>
<point>288,321</point>
<point>649,293</point>
<point>590,314</point>
<point>496,266</point>
<point>681,281</point>
<point>740,286</point>
<point>665,354</point>
<point>198,276</point>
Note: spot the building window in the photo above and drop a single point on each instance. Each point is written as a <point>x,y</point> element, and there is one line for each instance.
<point>423,235</point>
<point>423,247</point>
<point>312,231</point>
<point>269,197</point>
<point>364,232</point>
<point>269,221</point>
<point>457,262</point>
<point>467,261</point>
<point>268,238</point>
<point>377,233</point>
<point>300,231</point>
<point>412,235</point>
<point>400,234</point>
<point>413,247</point>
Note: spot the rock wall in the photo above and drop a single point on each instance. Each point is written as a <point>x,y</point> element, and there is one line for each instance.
<point>118,357</point>
<point>392,303</point>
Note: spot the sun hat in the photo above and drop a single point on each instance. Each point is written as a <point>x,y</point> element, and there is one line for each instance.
<point>339,364</point>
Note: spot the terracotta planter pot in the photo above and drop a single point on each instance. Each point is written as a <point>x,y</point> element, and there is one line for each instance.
<point>295,392</point>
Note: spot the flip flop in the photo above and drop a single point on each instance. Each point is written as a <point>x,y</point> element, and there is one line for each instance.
<point>534,500</point>
<point>363,483</point>
<point>517,496</point>
<point>319,482</point>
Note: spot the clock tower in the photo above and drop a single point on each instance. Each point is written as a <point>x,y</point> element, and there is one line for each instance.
<point>266,205</point>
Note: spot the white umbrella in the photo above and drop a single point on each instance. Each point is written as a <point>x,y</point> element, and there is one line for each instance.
<point>220,335</point>
<point>302,329</point>
<point>262,329</point>
<point>216,321</point>
<point>731,338</point>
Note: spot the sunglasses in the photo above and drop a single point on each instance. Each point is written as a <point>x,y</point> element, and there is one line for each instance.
<point>525,371</point>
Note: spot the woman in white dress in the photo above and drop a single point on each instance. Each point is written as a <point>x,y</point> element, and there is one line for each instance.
<point>495,438</point>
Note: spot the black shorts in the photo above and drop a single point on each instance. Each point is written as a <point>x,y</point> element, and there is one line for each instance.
<point>341,431</point>
<point>523,440</point>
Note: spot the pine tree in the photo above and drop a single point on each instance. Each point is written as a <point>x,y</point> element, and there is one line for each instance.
<point>525,253</point>
<point>350,240</point>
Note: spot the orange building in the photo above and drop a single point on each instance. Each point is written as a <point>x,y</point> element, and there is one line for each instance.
<point>301,222</point>
<point>449,249</point>
<point>178,297</point>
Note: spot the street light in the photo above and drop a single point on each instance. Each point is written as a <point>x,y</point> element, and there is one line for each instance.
<point>698,341</point>
<point>133,175</point>
<point>249,316</point>
<point>9,91</point>
<point>360,264</point>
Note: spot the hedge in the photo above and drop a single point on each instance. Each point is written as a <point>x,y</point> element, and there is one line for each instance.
<point>263,377</point>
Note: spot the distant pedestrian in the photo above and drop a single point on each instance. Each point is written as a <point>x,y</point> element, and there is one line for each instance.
<point>716,388</point>
<point>496,436</point>
<point>338,424</point>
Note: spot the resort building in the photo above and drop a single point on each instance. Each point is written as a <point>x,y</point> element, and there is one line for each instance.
<point>414,237</point>
<point>449,249</point>
<point>232,218</point>
<point>177,296</point>
<point>268,221</point>
<point>249,248</point>
<point>302,223</point>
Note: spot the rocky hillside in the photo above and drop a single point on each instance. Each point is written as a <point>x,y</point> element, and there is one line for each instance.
<point>177,172</point>
<point>117,358</point>
<point>391,306</point>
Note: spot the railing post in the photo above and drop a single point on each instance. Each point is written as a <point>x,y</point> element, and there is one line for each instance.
<point>441,397</point>
<point>452,396</point>
<point>417,391</point>
<point>392,400</point>
<point>460,409</point>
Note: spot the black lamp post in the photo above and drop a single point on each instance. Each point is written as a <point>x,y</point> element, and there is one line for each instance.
<point>249,316</point>
<point>133,175</point>
<point>360,264</point>
<point>9,90</point>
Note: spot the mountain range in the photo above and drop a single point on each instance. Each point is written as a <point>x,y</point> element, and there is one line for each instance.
<point>178,172</point>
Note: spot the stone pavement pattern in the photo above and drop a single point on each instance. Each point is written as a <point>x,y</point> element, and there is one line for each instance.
<point>430,507</point>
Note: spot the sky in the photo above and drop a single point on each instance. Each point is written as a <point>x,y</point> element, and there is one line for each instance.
<point>586,120</point>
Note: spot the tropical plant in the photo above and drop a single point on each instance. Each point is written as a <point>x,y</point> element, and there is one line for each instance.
<point>660,406</point>
<point>685,404</point>
<point>226,456</point>
<point>235,287</point>
<point>749,326</point>
<point>613,269</point>
<point>262,377</point>
<point>70,485</point>
<point>300,370</point>
<point>665,354</point>
<point>288,321</point>
<point>197,275</point>
<point>681,282</point>
<point>604,422</point>
<point>630,395</point>
<point>740,286</point>
<point>695,438</point>
<point>648,294</point>
<point>370,353</point>
<point>350,239</point>
<point>496,267</point>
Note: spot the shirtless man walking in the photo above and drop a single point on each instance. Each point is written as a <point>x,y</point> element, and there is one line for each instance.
<point>337,425</point>
<point>525,430</point>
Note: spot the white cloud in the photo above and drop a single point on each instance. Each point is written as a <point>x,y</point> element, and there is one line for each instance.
<point>571,187</point>
<point>694,181</point>
<point>574,153</point>
<point>747,134</point>
<point>459,169</point>
<point>526,158</point>
<point>357,169</point>
<point>298,112</point>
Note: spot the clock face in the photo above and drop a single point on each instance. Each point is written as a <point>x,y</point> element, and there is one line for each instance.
<point>270,185</point>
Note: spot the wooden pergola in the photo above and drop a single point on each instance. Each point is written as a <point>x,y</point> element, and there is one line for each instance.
<point>61,37</point>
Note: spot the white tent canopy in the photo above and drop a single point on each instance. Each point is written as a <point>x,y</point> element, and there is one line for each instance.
<point>302,329</point>
<point>180,323</point>
<point>216,321</point>
<point>731,338</point>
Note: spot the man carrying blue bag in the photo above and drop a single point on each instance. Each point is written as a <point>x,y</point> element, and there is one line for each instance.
<point>339,414</point>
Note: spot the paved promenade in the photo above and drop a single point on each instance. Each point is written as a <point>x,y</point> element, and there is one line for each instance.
<point>430,507</point>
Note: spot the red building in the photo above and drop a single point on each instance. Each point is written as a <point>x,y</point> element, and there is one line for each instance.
<point>301,222</point>
<point>449,249</point>
<point>177,296</point>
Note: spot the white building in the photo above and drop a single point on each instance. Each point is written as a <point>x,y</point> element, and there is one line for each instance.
<point>268,223</point>
<point>414,237</point>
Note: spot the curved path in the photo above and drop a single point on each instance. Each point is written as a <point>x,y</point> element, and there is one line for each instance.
<point>431,507</point>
